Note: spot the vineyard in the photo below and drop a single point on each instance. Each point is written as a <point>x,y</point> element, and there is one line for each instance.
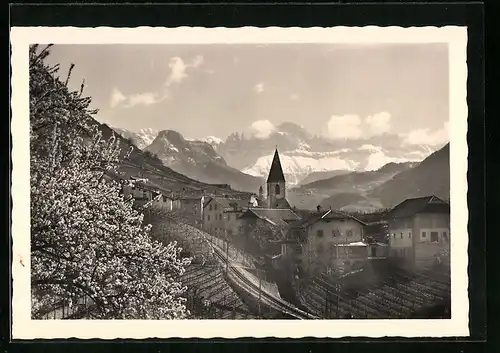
<point>208,294</point>
<point>401,295</point>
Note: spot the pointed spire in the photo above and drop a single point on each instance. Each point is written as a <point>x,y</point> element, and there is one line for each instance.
<point>276,172</point>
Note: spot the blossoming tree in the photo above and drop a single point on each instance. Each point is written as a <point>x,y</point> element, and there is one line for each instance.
<point>86,241</point>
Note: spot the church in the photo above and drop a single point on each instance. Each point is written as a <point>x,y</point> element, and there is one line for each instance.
<point>273,209</point>
<point>276,186</point>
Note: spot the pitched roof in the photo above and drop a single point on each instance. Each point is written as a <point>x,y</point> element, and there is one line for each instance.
<point>226,202</point>
<point>276,172</point>
<point>325,216</point>
<point>273,216</point>
<point>427,204</point>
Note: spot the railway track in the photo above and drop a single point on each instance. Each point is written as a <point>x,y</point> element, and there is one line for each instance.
<point>266,298</point>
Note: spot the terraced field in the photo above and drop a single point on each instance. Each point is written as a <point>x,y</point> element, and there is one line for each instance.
<point>401,296</point>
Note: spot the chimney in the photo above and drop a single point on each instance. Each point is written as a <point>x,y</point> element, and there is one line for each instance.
<point>318,208</point>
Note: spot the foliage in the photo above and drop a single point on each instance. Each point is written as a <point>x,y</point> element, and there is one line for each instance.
<point>265,234</point>
<point>86,241</point>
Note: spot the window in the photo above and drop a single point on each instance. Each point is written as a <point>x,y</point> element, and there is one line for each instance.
<point>349,233</point>
<point>424,235</point>
<point>228,217</point>
<point>334,233</point>
<point>215,207</point>
<point>401,235</point>
<point>319,233</point>
<point>277,189</point>
<point>210,208</point>
<point>220,217</point>
<point>208,217</point>
<point>409,234</point>
<point>445,236</point>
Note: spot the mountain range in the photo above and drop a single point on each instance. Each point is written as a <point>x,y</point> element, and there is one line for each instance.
<point>146,165</point>
<point>371,173</point>
<point>198,160</point>
<point>383,188</point>
<point>302,154</point>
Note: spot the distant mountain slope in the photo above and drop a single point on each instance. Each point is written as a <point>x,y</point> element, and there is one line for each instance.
<point>357,181</point>
<point>430,177</point>
<point>315,176</point>
<point>346,191</point>
<point>199,160</point>
<point>146,165</point>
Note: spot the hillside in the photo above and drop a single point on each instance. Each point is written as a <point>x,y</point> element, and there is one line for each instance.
<point>144,164</point>
<point>199,160</point>
<point>430,177</point>
<point>346,191</point>
<point>315,176</point>
<point>357,181</point>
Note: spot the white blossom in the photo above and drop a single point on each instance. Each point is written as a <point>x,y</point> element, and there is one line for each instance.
<point>85,240</point>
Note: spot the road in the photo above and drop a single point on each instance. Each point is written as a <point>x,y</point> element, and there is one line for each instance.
<point>243,280</point>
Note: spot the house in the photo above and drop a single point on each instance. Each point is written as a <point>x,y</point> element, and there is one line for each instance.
<point>191,207</point>
<point>144,193</point>
<point>221,214</point>
<point>272,218</point>
<point>329,241</point>
<point>419,230</point>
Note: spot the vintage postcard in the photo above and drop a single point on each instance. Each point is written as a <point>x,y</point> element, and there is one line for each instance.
<point>247,182</point>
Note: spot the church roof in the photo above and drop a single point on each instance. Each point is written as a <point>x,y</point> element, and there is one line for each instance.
<point>276,172</point>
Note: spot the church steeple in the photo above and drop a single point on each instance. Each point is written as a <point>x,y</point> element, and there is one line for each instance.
<point>276,184</point>
<point>276,173</point>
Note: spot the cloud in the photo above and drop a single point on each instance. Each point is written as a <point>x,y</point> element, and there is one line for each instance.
<point>259,87</point>
<point>427,137</point>
<point>294,97</point>
<point>351,126</point>
<point>116,97</point>
<point>197,61</point>
<point>261,129</point>
<point>371,148</point>
<point>178,69</point>
<point>379,123</point>
<point>178,72</point>
<point>145,98</point>
<point>344,127</point>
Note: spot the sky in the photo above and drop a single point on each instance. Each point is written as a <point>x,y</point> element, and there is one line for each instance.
<point>335,90</point>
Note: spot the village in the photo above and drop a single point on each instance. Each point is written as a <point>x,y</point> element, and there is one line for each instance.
<point>153,225</point>
<point>313,258</point>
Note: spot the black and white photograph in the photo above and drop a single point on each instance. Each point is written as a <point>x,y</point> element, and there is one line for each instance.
<point>239,180</point>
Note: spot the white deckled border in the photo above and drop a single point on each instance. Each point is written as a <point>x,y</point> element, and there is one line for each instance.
<point>25,328</point>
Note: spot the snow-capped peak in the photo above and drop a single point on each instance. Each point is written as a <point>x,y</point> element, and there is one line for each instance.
<point>141,138</point>
<point>147,135</point>
<point>212,140</point>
